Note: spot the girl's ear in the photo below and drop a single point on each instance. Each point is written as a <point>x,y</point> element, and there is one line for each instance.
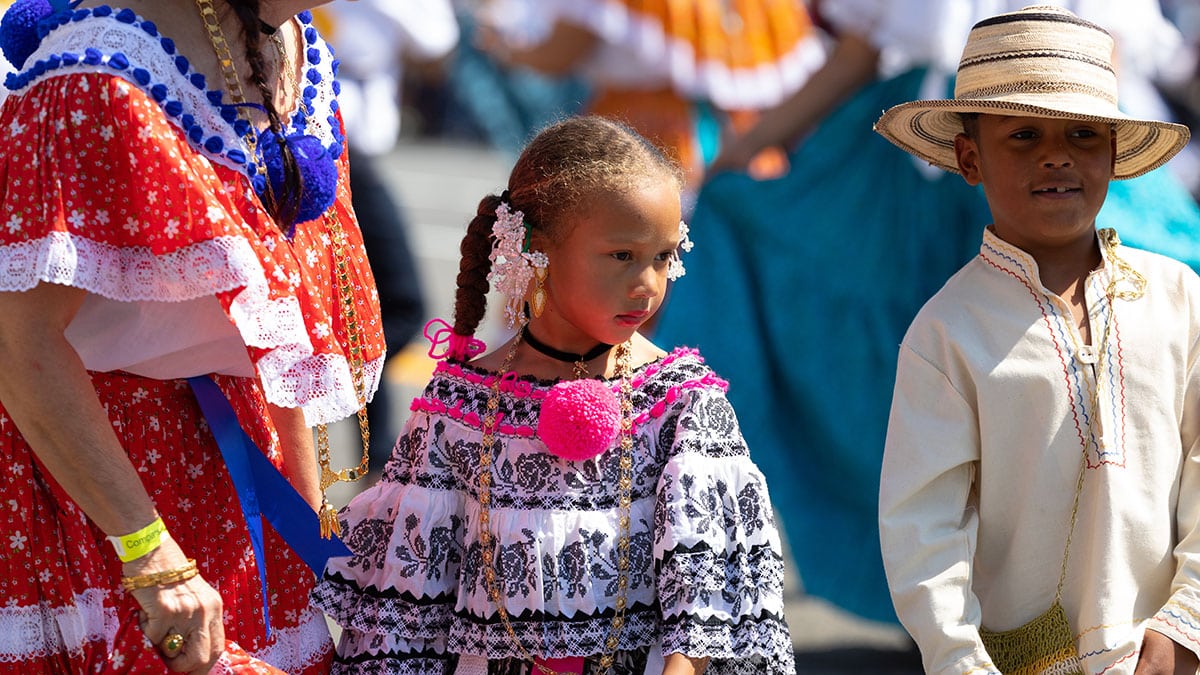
<point>538,241</point>
<point>966,151</point>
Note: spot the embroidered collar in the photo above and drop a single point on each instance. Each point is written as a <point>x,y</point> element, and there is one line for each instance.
<point>1017,262</point>
<point>73,42</point>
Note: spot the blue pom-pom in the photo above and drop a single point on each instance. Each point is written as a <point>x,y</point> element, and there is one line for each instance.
<point>214,145</point>
<point>118,61</point>
<point>141,76</point>
<point>196,134</point>
<point>102,10</point>
<point>159,92</point>
<point>318,172</point>
<point>70,58</point>
<point>168,45</point>
<point>314,76</point>
<point>150,28</point>
<point>198,81</point>
<point>173,108</point>
<point>229,113</point>
<point>215,96</point>
<point>236,156</point>
<point>126,16</point>
<point>19,29</point>
<point>92,56</point>
<point>314,55</point>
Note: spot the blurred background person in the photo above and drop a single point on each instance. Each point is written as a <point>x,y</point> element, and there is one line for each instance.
<point>805,284</point>
<point>375,40</point>
<point>676,72</point>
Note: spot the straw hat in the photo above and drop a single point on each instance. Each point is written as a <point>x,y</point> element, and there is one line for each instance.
<point>1041,61</point>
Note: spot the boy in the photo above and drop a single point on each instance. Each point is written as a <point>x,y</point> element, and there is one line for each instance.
<point>1043,450</point>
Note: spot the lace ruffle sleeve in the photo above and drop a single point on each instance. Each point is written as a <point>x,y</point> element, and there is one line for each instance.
<point>717,549</point>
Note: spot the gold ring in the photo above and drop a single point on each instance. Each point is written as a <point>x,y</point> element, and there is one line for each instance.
<point>171,645</point>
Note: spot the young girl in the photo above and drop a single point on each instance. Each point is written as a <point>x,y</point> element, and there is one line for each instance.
<point>578,500</point>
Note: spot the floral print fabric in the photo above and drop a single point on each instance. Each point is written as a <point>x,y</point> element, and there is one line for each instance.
<point>706,570</point>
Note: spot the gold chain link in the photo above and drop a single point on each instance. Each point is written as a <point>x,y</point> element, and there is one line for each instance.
<point>624,499</point>
<point>1121,272</point>
<point>345,289</point>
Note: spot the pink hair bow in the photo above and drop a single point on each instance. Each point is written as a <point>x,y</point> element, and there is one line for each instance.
<point>455,346</point>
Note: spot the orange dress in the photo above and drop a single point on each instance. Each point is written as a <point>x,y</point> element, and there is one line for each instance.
<point>123,175</point>
<point>661,59</point>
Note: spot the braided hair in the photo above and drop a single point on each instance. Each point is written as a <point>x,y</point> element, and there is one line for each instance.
<point>565,165</point>
<point>283,206</point>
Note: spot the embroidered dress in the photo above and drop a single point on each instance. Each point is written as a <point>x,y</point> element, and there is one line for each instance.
<point>833,261</point>
<point>706,573</point>
<point>993,406</point>
<point>125,176</point>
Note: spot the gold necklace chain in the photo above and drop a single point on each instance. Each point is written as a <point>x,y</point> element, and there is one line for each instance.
<point>345,289</point>
<point>487,540</point>
<point>1122,272</point>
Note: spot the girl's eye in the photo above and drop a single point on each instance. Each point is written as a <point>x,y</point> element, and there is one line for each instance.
<point>1023,135</point>
<point>665,256</point>
<point>623,256</point>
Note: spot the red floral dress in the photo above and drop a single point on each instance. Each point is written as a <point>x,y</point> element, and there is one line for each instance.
<point>124,176</point>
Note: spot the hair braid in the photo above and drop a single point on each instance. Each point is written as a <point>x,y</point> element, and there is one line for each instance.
<point>282,207</point>
<point>470,300</point>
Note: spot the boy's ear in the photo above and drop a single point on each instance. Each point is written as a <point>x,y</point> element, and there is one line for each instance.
<point>966,152</point>
<point>1112,138</point>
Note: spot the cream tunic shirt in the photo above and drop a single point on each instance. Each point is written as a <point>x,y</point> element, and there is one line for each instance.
<point>992,411</point>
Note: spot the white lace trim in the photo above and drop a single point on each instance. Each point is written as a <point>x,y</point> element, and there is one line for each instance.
<point>29,633</point>
<point>299,647</point>
<point>110,36</point>
<point>37,632</point>
<point>292,375</point>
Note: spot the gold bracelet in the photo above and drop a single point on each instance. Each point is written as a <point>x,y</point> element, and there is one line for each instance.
<point>161,578</point>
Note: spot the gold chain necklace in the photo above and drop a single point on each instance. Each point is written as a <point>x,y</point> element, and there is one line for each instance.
<point>487,540</point>
<point>329,477</point>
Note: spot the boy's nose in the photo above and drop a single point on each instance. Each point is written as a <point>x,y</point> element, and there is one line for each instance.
<point>1057,154</point>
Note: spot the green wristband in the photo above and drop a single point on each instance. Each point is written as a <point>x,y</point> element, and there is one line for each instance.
<point>137,544</point>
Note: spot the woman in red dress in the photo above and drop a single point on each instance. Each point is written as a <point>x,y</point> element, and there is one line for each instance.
<point>173,205</point>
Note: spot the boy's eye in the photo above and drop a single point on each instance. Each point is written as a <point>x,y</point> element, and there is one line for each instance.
<point>623,256</point>
<point>1024,135</point>
<point>665,255</point>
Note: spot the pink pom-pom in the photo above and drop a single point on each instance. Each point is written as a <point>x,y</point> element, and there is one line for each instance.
<point>580,419</point>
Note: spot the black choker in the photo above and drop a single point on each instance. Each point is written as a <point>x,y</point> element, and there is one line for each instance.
<point>266,28</point>
<point>559,355</point>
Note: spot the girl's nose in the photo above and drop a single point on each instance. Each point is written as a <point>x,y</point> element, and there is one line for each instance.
<point>646,285</point>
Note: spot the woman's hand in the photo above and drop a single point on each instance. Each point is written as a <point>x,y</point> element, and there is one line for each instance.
<point>191,608</point>
<point>1163,656</point>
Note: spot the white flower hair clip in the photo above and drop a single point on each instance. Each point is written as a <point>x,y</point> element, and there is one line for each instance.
<point>675,268</point>
<point>512,267</point>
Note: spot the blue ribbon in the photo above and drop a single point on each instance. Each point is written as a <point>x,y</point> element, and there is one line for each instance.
<point>263,492</point>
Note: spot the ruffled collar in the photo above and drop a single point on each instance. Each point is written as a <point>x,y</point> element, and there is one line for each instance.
<point>119,42</point>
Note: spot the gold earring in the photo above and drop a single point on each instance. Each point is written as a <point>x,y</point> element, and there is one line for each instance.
<point>538,304</point>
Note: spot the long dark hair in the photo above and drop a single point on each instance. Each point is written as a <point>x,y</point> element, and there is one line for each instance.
<point>284,205</point>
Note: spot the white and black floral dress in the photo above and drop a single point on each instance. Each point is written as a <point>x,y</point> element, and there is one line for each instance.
<point>706,575</point>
